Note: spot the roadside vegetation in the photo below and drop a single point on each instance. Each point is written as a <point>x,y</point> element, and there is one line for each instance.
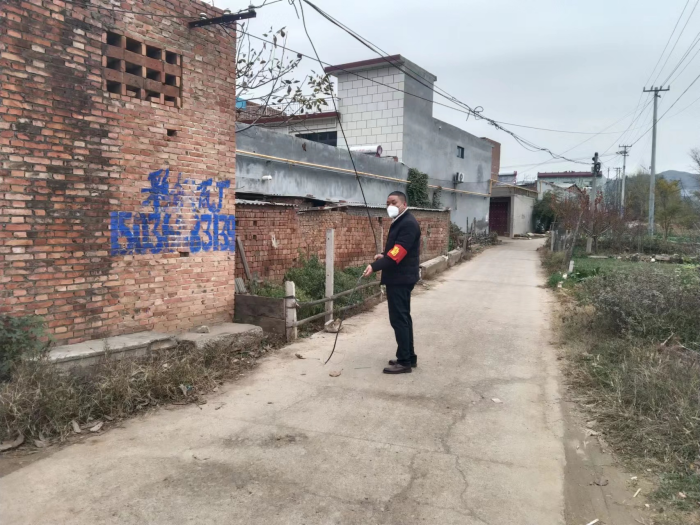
<point>310,280</point>
<point>634,332</point>
<point>39,401</point>
<point>631,320</point>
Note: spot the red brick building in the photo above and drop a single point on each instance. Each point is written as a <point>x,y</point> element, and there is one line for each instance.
<point>277,234</point>
<point>117,159</point>
<point>495,158</point>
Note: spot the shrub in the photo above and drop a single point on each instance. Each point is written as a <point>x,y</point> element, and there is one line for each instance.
<point>553,261</point>
<point>649,302</point>
<point>417,189</point>
<point>554,279</point>
<point>310,280</point>
<point>543,214</point>
<point>456,239</point>
<point>19,337</point>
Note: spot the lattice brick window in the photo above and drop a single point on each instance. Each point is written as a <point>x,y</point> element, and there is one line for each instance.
<point>142,71</point>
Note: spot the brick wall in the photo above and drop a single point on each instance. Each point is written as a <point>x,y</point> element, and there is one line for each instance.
<point>271,239</point>
<point>114,211</point>
<point>276,236</point>
<point>495,158</point>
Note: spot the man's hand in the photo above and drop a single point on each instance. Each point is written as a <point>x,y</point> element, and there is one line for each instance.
<point>378,256</point>
<point>368,271</point>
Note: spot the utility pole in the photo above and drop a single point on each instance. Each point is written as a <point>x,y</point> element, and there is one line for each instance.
<point>595,171</point>
<point>652,179</point>
<point>618,169</point>
<point>624,154</point>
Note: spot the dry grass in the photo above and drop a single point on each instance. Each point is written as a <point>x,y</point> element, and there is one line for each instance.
<point>646,403</point>
<point>642,388</point>
<point>41,401</point>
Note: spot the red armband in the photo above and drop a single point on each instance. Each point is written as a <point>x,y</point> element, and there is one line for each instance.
<point>397,253</point>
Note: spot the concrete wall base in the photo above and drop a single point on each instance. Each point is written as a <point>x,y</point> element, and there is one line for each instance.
<point>432,267</point>
<point>140,344</point>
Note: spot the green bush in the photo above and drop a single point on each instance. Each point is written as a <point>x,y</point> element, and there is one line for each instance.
<point>19,337</point>
<point>543,214</point>
<point>310,280</point>
<point>417,189</point>
<point>555,279</point>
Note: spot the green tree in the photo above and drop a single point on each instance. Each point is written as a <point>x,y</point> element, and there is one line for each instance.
<point>669,204</point>
<point>637,196</point>
<point>543,213</point>
<point>417,190</point>
<point>437,198</point>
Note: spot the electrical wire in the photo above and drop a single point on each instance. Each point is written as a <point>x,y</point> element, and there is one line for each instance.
<point>86,4</point>
<point>683,57</point>
<point>668,41</point>
<point>525,143</point>
<point>357,177</point>
<point>393,88</point>
<point>669,109</point>
<point>677,39</point>
<point>129,11</point>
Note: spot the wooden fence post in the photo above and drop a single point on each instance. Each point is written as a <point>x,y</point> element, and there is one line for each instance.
<point>290,305</point>
<point>330,264</point>
<point>553,236</point>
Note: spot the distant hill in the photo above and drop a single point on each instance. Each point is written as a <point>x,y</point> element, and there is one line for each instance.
<point>690,182</point>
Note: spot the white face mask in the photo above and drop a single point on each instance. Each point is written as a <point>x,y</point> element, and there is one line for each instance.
<point>393,211</point>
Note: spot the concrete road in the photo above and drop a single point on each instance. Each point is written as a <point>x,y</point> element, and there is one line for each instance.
<point>474,436</point>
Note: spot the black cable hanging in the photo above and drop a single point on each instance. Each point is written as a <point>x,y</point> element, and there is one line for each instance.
<point>357,177</point>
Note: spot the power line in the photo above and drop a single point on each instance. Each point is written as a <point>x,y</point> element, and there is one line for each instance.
<point>88,5</point>
<point>677,40</point>
<point>667,42</point>
<point>357,177</point>
<point>670,108</point>
<point>641,95</point>
<point>525,143</point>
<point>459,110</point>
<point>680,62</point>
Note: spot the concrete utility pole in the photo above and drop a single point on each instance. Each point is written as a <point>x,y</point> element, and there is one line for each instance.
<point>624,154</point>
<point>652,179</point>
<point>595,170</point>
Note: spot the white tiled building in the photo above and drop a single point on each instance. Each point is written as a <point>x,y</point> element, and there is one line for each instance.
<point>372,108</point>
<point>389,102</point>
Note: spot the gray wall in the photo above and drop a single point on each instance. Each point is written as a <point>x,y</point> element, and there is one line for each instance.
<point>298,180</point>
<point>521,214</point>
<point>430,146</point>
<point>295,180</point>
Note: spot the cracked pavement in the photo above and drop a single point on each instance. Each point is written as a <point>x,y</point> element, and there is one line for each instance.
<point>288,444</point>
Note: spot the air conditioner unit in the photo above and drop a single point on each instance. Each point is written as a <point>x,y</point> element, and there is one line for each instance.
<point>459,177</point>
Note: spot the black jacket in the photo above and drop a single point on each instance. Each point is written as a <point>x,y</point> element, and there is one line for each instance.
<point>401,253</point>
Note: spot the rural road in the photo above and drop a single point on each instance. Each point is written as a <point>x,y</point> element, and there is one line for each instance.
<point>474,436</point>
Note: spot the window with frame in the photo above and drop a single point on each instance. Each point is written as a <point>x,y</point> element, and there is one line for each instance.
<point>460,152</point>
<point>330,138</point>
<point>135,69</point>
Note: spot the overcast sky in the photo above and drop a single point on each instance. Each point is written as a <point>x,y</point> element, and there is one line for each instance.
<point>569,65</point>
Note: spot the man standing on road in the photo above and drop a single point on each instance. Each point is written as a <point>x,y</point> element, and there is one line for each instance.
<point>399,266</point>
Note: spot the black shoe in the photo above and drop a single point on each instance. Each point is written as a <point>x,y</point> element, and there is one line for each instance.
<point>393,362</point>
<point>397,369</point>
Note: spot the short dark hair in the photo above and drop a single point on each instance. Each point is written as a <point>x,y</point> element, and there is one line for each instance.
<point>401,195</point>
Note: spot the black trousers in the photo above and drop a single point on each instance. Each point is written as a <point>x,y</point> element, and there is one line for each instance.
<point>399,298</point>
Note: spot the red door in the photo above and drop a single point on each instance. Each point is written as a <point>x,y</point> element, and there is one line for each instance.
<point>498,217</point>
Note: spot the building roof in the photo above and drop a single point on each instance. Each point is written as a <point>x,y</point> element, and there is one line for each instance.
<point>263,203</point>
<point>566,175</point>
<point>366,64</point>
<point>374,63</point>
